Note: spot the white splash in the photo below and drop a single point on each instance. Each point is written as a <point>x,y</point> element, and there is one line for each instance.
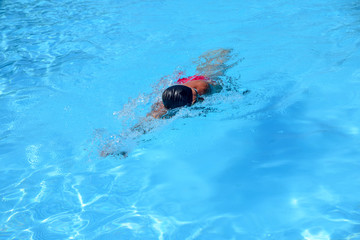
<point>32,155</point>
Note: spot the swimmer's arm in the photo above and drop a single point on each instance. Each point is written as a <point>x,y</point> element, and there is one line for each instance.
<point>113,146</point>
<point>157,110</point>
<point>214,87</point>
<point>143,127</point>
<point>111,149</point>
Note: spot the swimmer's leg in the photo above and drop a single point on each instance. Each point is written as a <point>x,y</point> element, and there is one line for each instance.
<point>213,63</point>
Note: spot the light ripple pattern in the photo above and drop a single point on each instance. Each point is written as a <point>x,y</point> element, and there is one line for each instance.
<point>279,162</point>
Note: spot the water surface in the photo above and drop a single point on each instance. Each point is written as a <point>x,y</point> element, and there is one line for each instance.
<point>281,162</point>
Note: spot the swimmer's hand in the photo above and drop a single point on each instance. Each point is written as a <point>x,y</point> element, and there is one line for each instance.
<point>157,110</point>
<point>112,148</point>
<point>105,153</point>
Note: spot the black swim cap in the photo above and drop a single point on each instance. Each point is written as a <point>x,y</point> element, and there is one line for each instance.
<point>177,96</point>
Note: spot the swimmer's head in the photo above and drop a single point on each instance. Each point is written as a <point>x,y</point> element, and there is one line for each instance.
<point>177,96</point>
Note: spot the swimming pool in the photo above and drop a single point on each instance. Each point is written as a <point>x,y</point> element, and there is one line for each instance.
<point>281,162</point>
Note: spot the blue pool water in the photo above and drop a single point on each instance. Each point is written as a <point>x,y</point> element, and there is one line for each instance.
<point>281,162</point>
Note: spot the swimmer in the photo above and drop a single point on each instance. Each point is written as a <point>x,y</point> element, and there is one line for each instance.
<point>186,92</point>
<point>190,90</point>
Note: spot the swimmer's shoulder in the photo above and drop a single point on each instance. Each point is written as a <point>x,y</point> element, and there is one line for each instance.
<point>203,87</point>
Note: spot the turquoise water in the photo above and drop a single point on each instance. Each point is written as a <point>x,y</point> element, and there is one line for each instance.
<point>281,162</point>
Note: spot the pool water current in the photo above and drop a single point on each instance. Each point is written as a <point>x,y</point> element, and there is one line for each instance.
<point>281,162</point>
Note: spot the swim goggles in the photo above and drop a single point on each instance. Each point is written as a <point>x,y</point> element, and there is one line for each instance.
<point>198,97</point>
